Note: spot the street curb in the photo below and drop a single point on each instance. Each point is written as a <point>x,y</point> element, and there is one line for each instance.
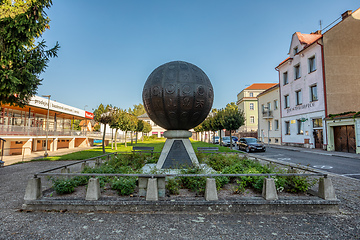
<point>243,205</point>
<point>309,151</point>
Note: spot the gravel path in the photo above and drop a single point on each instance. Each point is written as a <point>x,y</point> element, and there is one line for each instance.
<point>55,225</point>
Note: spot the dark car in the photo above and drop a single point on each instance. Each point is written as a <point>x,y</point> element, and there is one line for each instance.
<point>250,144</point>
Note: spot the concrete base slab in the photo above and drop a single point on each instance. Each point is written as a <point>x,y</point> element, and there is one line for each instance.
<point>243,205</point>
<point>93,189</point>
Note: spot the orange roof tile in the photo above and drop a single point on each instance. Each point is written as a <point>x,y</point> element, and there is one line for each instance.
<point>260,86</point>
<point>307,38</point>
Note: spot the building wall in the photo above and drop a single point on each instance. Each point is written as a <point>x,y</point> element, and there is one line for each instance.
<point>263,130</point>
<point>342,65</point>
<point>243,103</point>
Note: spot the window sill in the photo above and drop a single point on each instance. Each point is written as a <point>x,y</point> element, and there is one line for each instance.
<point>312,71</point>
<point>297,78</point>
<point>315,100</point>
<point>299,104</point>
<point>300,134</point>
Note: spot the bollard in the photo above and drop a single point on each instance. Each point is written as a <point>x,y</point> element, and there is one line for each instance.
<point>93,189</point>
<point>84,165</point>
<point>161,186</point>
<point>98,162</point>
<point>269,189</point>
<point>142,183</point>
<point>65,170</point>
<point>33,189</point>
<point>152,190</point>
<point>326,189</point>
<point>210,190</point>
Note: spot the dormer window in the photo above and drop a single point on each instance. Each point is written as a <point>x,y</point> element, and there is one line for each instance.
<point>296,50</point>
<point>251,94</point>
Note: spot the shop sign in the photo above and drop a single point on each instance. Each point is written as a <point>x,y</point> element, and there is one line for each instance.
<point>55,106</point>
<point>308,105</point>
<point>89,115</point>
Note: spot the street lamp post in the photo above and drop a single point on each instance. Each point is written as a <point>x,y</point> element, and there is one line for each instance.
<point>47,126</point>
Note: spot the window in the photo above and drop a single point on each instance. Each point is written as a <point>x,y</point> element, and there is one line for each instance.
<point>312,66</point>
<point>300,129</point>
<point>313,93</point>
<point>269,125</point>
<point>276,123</point>
<point>276,104</point>
<point>251,94</point>
<point>251,106</point>
<point>297,71</point>
<point>276,140</point>
<point>317,123</point>
<point>285,78</point>
<point>298,97</point>
<point>296,50</point>
<point>287,128</point>
<point>287,101</point>
<point>252,119</point>
<point>263,107</point>
<point>269,106</point>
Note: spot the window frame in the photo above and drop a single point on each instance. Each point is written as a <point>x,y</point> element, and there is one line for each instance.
<point>251,106</point>
<point>298,97</point>
<point>285,78</point>
<point>300,127</point>
<point>312,64</point>
<point>312,99</point>
<point>276,124</point>
<point>276,104</point>
<point>297,71</point>
<point>287,101</point>
<point>287,127</point>
<point>252,117</point>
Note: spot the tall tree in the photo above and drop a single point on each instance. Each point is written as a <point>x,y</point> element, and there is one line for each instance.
<point>103,115</point>
<point>232,119</point>
<point>139,128</point>
<point>127,123</point>
<point>137,110</point>
<point>23,56</point>
<point>146,129</point>
<point>217,124</point>
<point>116,122</point>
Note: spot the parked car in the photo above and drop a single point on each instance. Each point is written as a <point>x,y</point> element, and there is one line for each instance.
<point>249,144</point>
<point>235,139</point>
<point>226,141</point>
<point>215,140</point>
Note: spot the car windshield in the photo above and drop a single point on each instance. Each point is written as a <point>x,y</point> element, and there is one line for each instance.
<point>226,138</point>
<point>252,140</point>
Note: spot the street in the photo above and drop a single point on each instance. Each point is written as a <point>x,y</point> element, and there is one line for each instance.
<point>340,165</point>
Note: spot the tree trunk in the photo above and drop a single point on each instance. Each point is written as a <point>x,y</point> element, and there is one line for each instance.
<point>131,136</point>
<point>112,139</point>
<point>230,141</point>
<point>220,143</point>
<point>125,139</point>
<point>209,137</point>
<point>103,141</point>
<point>136,134</point>
<point>116,138</point>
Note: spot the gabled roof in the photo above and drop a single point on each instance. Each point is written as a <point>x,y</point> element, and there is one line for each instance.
<point>260,86</point>
<point>145,115</point>
<point>308,39</point>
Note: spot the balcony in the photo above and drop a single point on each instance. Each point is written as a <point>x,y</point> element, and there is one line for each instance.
<point>267,114</point>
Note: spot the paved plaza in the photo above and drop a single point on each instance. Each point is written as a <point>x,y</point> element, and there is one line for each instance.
<point>16,224</point>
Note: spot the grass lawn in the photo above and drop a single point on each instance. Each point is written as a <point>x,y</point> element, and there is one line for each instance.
<point>158,145</point>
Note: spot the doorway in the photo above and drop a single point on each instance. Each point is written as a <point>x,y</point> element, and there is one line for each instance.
<point>344,137</point>
<point>318,138</point>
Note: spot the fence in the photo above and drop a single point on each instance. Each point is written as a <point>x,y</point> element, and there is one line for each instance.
<point>326,190</point>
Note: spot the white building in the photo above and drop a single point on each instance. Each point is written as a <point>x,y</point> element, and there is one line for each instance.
<point>302,93</point>
<point>269,116</point>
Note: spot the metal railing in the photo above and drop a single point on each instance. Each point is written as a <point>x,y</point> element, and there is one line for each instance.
<point>267,114</point>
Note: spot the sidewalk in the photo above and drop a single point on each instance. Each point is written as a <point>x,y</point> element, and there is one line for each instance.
<point>9,160</point>
<point>317,151</point>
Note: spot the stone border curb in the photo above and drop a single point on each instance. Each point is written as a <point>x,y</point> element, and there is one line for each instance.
<point>245,205</point>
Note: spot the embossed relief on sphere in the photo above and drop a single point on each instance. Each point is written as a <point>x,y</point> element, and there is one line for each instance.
<point>178,96</point>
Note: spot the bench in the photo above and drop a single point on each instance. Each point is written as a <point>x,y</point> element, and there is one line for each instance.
<point>144,149</point>
<point>208,149</point>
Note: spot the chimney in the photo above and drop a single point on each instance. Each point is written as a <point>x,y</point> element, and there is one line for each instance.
<point>346,14</point>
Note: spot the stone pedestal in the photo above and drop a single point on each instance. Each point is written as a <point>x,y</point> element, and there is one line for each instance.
<point>177,152</point>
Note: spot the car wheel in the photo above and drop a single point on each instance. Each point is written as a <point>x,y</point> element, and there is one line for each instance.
<point>247,149</point>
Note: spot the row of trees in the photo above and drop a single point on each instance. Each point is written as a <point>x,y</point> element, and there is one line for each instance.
<point>123,120</point>
<point>229,118</point>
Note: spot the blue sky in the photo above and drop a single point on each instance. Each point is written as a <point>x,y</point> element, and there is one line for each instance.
<point>109,48</point>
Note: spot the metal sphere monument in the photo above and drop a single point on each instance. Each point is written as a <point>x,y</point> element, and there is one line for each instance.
<point>177,96</point>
